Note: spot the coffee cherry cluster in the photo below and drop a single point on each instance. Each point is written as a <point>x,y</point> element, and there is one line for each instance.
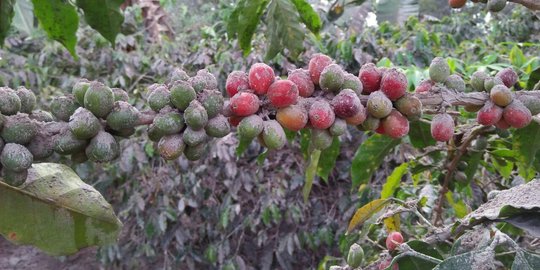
<point>189,113</point>
<point>492,5</point>
<point>355,257</point>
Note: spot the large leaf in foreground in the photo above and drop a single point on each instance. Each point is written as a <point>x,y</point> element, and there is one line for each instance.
<point>56,212</point>
<point>6,15</point>
<point>284,29</point>
<point>104,16</point>
<point>526,144</point>
<point>369,157</point>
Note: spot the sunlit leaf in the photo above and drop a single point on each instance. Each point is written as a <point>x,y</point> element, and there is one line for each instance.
<point>311,171</point>
<point>365,212</point>
<point>393,181</point>
<point>369,157</point>
<point>328,159</point>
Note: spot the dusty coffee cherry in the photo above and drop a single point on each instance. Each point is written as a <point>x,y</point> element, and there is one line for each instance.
<point>79,90</point>
<point>321,138</point>
<point>303,81</point>
<point>355,256</point>
<point>502,124</point>
<point>66,143</point>
<point>455,82</point>
<point>273,135</point>
<point>332,78</point>
<point>16,157</point>
<point>508,76</point>
<point>472,108</point>
<point>203,80</point>
<point>442,127</point>
<point>178,74</point>
<point>196,116</point>
<point>15,179</point>
<point>395,125</point>
<point>169,122</point>
<point>41,116</point>
<point>321,115</point>
<point>439,70</point>
<point>10,103</point>
<point>41,147</point>
<point>532,103</point>
<point>235,120</point>
<point>294,117</point>
<point>424,86</point>
<point>457,3</point>
<point>63,107</point>
<point>370,76</point>
<point>154,133</point>
<point>226,111</point>
<point>477,80</point>
<point>490,82</point>
<point>352,82</point>
<point>489,114</point>
<point>159,98</point>
<point>393,240</point>
<point>181,94</point>
<point>123,133</point>
<point>28,99</point>
<point>501,95</point>
<point>123,116</point>
<point>517,115</point>
<point>393,84</point>
<point>346,104</point>
<point>358,118</point>
<point>371,123</point>
<point>236,81</point>
<point>261,76</point>
<point>282,93</point>
<point>244,104</point>
<point>99,99</point>
<point>84,124</point>
<point>103,148</point>
<point>218,127</point>
<point>19,129</point>
<point>338,128</point>
<point>316,65</point>
<point>171,147</point>
<point>496,5</point>
<point>120,95</point>
<point>250,127</point>
<point>212,101</point>
<point>193,137</point>
<point>410,106</point>
<point>378,105</point>
<point>194,153</point>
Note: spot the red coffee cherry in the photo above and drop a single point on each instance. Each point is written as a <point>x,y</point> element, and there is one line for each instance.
<point>394,84</point>
<point>517,115</point>
<point>261,76</point>
<point>508,76</point>
<point>393,240</point>
<point>302,79</point>
<point>346,104</point>
<point>244,104</point>
<point>442,127</point>
<point>489,114</point>
<point>424,86</point>
<point>370,76</point>
<point>321,115</point>
<point>316,65</point>
<point>294,117</point>
<point>282,93</point>
<point>395,125</point>
<point>236,82</point>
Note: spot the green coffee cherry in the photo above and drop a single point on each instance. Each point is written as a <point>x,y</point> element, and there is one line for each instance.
<point>10,103</point>
<point>123,116</point>
<point>171,147</point>
<point>19,129</point>
<point>15,179</point>
<point>120,95</point>
<point>212,101</point>
<point>439,70</point>
<point>195,152</point>
<point>193,137</point>
<point>196,116</point>
<point>321,138</point>
<point>273,135</point>
<point>79,90</point>
<point>67,143</point>
<point>84,124</point>
<point>218,127</point>
<point>16,158</point>
<point>28,99</point>
<point>63,107</point>
<point>250,127</point>
<point>169,122</point>
<point>355,256</point>
<point>181,94</point>
<point>103,148</point>
<point>99,99</point>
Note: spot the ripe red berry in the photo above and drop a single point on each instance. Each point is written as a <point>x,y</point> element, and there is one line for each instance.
<point>346,104</point>
<point>517,115</point>
<point>424,86</point>
<point>370,76</point>
<point>395,125</point>
<point>236,81</point>
<point>394,84</point>
<point>244,104</point>
<point>282,93</point>
<point>321,115</point>
<point>261,76</point>
<point>386,263</point>
<point>489,114</point>
<point>293,117</point>
<point>316,65</point>
<point>502,124</point>
<point>302,79</point>
<point>442,127</point>
<point>358,118</point>
<point>380,129</point>
<point>508,76</point>
<point>457,3</point>
<point>393,240</point>
<point>235,120</point>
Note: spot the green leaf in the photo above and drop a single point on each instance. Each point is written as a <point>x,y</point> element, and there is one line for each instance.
<point>393,181</point>
<point>365,212</point>
<point>534,78</point>
<point>243,145</point>
<point>24,17</point>
<point>104,16</point>
<point>516,57</point>
<point>310,173</point>
<point>416,263</point>
<point>284,29</point>
<point>328,158</point>
<point>526,261</point>
<point>526,145</point>
<point>473,161</point>
<point>60,20</point>
<point>459,207</point>
<point>420,134</point>
<point>6,15</point>
<point>369,157</point>
<point>56,212</point>
<point>308,15</point>
<point>244,20</point>
<point>463,261</point>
